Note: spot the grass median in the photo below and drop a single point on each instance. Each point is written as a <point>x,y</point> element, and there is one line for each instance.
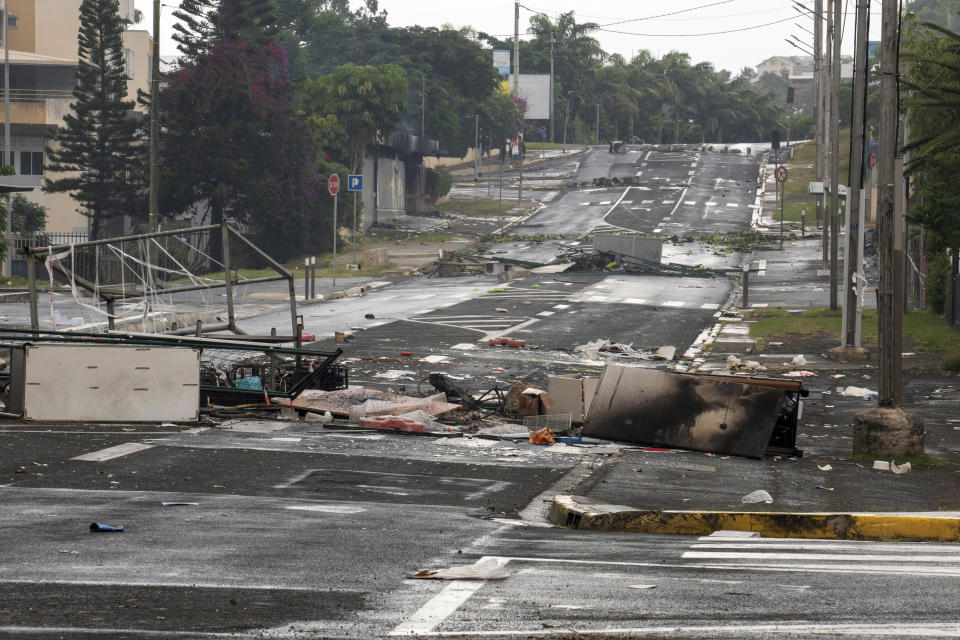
<point>925,331</point>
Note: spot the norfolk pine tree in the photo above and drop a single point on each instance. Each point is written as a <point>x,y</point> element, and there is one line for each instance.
<point>97,145</point>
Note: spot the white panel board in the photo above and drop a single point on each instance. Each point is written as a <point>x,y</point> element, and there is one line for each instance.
<point>535,89</point>
<point>111,383</point>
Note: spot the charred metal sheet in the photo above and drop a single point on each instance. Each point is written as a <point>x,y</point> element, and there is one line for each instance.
<point>686,411</point>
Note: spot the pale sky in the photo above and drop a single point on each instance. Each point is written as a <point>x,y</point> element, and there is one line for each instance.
<point>738,47</point>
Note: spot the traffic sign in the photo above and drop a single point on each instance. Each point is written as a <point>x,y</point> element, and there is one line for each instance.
<point>354,183</point>
<point>781,174</point>
<point>333,184</point>
<point>873,161</point>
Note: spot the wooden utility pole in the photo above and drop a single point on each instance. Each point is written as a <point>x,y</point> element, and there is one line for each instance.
<point>888,313</point>
<point>835,152</point>
<point>851,262</point>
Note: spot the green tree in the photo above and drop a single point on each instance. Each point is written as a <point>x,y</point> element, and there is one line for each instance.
<point>354,105</point>
<point>97,146</point>
<point>28,217</point>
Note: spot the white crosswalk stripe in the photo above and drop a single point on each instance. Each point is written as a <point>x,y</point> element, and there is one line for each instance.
<point>825,556</point>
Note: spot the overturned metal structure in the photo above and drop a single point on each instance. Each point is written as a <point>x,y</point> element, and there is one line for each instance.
<point>720,414</point>
<point>157,263</point>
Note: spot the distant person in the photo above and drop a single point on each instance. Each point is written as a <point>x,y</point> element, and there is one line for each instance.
<point>514,151</point>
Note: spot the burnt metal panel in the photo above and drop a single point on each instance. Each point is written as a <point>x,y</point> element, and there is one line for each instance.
<point>686,411</point>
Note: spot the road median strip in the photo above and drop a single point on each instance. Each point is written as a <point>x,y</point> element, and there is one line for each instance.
<point>576,512</point>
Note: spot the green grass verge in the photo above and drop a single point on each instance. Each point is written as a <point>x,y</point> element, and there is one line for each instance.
<point>926,329</point>
<point>480,208</point>
<point>915,460</point>
<point>797,196</point>
<point>14,282</point>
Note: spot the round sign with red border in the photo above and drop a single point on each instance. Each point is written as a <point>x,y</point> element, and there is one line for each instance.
<point>781,174</point>
<point>873,161</point>
<point>333,184</point>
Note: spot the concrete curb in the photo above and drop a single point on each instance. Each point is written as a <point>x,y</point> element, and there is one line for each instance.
<point>576,512</point>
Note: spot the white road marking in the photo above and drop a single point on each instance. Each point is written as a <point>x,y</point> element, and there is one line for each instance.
<point>759,305</point>
<point>674,303</point>
<point>463,346</point>
<point>113,452</point>
<point>930,630</point>
<point>830,545</point>
<point>733,205</point>
<point>326,508</point>
<point>597,299</point>
<point>658,230</point>
<point>76,632</point>
<point>605,203</point>
<point>545,314</point>
<point>635,300</point>
<point>708,305</point>
<point>837,557</point>
<point>561,306</point>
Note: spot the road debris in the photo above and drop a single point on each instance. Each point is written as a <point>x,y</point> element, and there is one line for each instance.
<point>742,416</point>
<point>99,527</point>
<point>859,392</point>
<point>541,436</point>
<point>483,569</point>
<point>825,467</point>
<point>757,496</point>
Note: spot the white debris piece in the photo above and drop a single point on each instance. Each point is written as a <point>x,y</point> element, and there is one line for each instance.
<point>825,467</point>
<point>900,469</point>
<point>858,392</point>
<point>757,496</point>
<point>483,569</point>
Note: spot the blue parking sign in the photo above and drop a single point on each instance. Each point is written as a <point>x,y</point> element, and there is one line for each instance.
<point>354,183</point>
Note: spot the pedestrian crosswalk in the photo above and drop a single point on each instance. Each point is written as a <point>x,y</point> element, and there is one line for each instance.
<point>795,555</point>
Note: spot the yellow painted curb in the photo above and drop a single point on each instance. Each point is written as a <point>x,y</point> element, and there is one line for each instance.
<point>571,512</point>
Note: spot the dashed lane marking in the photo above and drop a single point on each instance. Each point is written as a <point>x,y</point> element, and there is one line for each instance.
<point>113,452</point>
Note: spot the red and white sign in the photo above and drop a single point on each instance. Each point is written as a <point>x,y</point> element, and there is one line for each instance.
<point>873,161</point>
<point>781,174</point>
<point>333,184</point>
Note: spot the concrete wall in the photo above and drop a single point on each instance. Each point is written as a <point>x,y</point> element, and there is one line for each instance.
<point>650,249</point>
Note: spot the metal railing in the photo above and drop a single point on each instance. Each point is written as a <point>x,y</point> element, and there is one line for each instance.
<point>38,95</point>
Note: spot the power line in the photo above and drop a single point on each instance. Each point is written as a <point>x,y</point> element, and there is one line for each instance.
<point>694,35</point>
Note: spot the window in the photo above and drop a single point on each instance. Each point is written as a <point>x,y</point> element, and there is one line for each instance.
<point>128,62</point>
<point>31,163</point>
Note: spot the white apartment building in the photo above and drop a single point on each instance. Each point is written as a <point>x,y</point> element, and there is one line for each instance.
<point>43,65</point>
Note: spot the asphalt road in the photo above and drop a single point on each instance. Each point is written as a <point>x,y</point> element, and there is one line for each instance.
<point>291,530</point>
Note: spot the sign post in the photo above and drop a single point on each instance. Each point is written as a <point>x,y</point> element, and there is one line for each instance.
<point>333,186</point>
<point>781,175</point>
<point>355,183</point>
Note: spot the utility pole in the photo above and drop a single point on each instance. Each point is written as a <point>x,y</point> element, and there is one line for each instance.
<point>888,313</point>
<point>597,137</point>
<point>827,128</point>
<point>818,85</point>
<point>516,49</point>
<point>552,138</point>
<point>476,149</point>
<point>835,152</point>
<point>154,213</point>
<point>851,326</point>
<point>423,104</point>
<point>8,263</point>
